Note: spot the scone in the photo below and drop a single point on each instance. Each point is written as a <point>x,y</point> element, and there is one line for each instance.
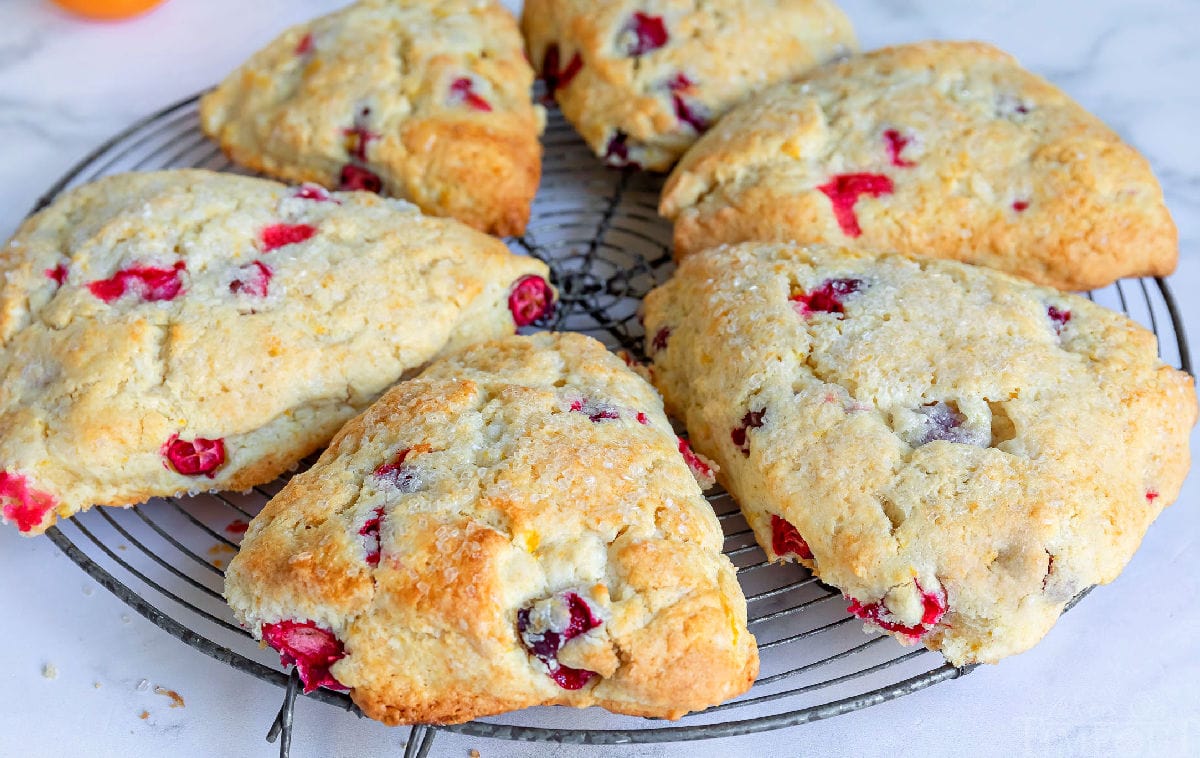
<point>513,527</point>
<point>177,331</point>
<point>958,451</point>
<point>642,80</point>
<point>427,100</point>
<point>942,149</point>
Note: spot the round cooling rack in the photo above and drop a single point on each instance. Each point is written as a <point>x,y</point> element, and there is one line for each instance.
<point>606,246</point>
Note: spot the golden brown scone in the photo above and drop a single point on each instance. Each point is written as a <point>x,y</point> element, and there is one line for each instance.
<point>178,331</point>
<point>958,451</point>
<point>514,527</point>
<point>641,80</point>
<point>427,100</point>
<point>942,149</point>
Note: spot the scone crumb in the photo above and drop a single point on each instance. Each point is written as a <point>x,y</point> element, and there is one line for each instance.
<point>176,698</point>
<point>49,671</point>
<point>144,715</point>
<point>473,753</point>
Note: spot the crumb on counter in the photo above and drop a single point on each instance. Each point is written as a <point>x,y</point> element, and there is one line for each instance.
<point>144,715</point>
<point>473,753</point>
<point>49,671</point>
<point>176,698</point>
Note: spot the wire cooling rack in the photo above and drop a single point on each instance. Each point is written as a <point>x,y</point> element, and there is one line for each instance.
<point>606,246</point>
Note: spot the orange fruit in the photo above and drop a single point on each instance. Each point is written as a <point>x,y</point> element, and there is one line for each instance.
<point>108,9</point>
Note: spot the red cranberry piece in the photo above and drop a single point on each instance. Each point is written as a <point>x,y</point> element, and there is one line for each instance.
<point>752,420</point>
<point>23,505</point>
<point>1049,571</point>
<point>149,283</point>
<point>305,45</point>
<point>1058,318</point>
<point>648,33</point>
<point>695,462</point>
<point>314,192</point>
<point>198,457</point>
<point>827,297</point>
<point>237,526</point>
<point>642,418</point>
<point>616,152</point>
<point>679,82</point>
<point>596,412</point>
<point>370,533</point>
<point>530,300</point>
<point>357,178</point>
<point>311,649</point>
<point>402,477</point>
<point>252,280</point>
<point>1020,205</point>
<point>544,635</point>
<point>355,139</point>
<point>58,274</point>
<point>557,78</point>
<point>1151,496</point>
<point>691,114</point>
<point>844,190</point>
<point>279,235</point>
<point>569,678</point>
<point>896,142</point>
<point>660,339</point>
<point>786,539</point>
<point>933,604</point>
<point>462,90</point>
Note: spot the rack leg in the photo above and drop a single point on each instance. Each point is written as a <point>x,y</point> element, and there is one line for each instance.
<point>283,720</point>
<point>420,741</point>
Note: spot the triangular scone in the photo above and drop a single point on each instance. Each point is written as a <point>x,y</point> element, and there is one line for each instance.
<point>958,451</point>
<point>514,527</point>
<point>184,330</point>
<point>642,80</point>
<point>941,149</point>
<point>428,100</point>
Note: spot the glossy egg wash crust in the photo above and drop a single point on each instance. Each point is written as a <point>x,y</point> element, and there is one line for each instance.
<point>178,331</point>
<point>426,100</point>
<point>641,81</point>
<point>515,526</point>
<point>940,149</point>
<point>960,452</point>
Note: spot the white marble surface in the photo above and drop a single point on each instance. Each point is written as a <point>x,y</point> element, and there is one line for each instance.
<point>1119,674</point>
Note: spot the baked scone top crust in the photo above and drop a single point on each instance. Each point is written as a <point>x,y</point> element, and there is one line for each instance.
<point>523,488</point>
<point>184,330</point>
<point>945,149</point>
<point>958,451</point>
<point>641,80</point>
<point>428,100</point>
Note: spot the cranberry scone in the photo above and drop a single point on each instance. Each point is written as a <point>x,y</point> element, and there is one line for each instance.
<point>960,452</point>
<point>967,157</point>
<point>180,331</point>
<point>641,80</point>
<point>513,527</point>
<point>426,100</point>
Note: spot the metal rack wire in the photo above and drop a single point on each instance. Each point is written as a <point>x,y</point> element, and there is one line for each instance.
<point>606,247</point>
